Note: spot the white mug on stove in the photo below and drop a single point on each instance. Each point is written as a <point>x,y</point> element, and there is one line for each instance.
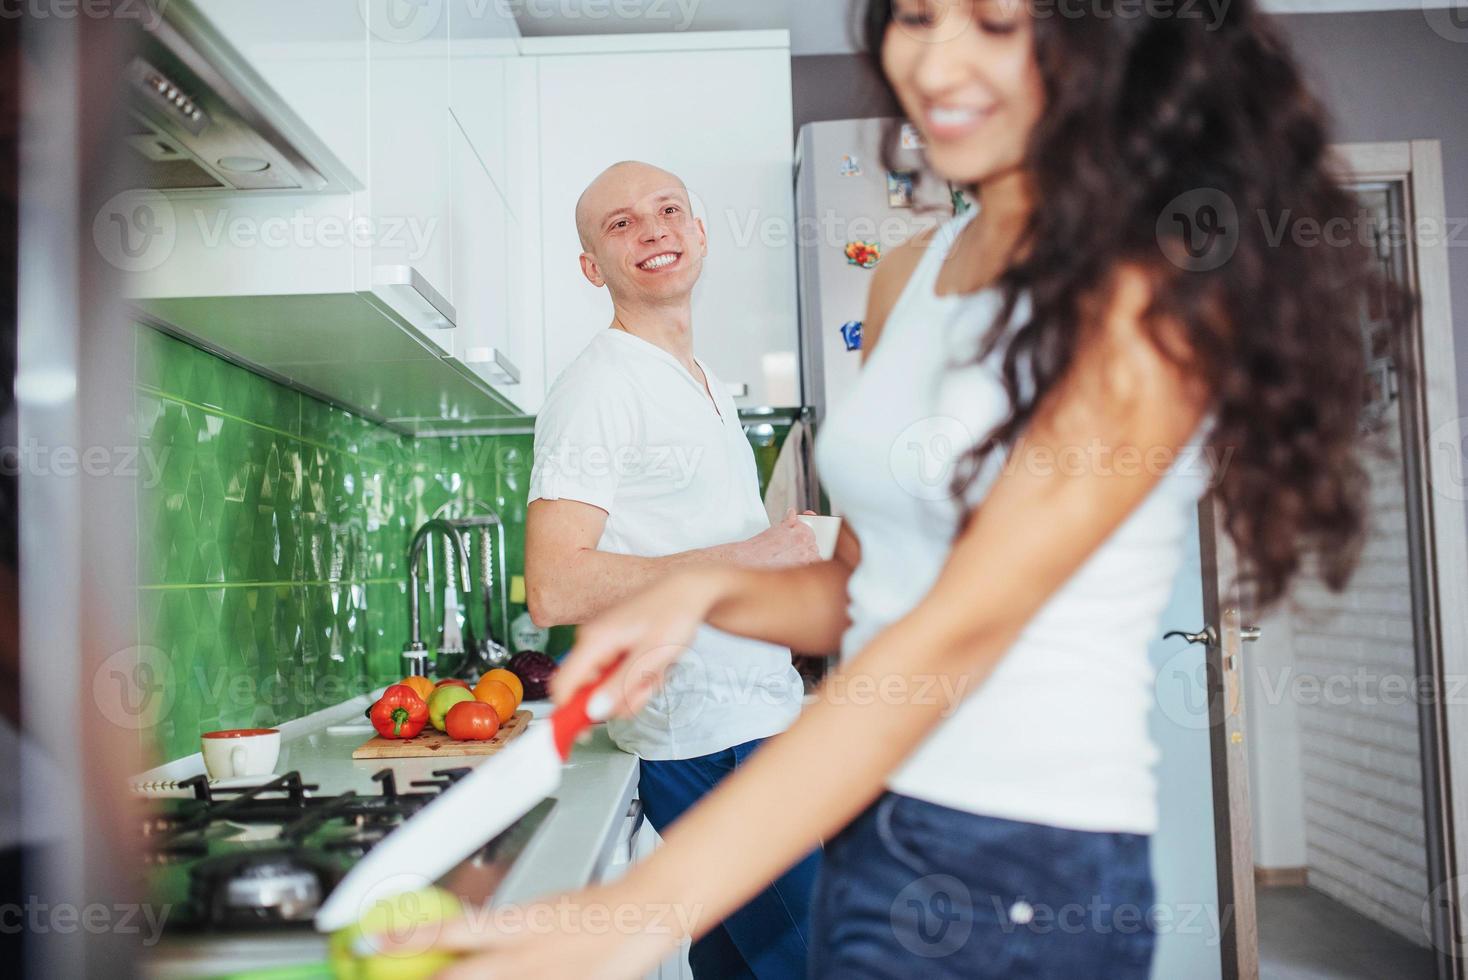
<point>234,752</point>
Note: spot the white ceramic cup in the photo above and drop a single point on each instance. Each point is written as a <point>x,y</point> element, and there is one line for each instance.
<point>826,529</point>
<point>234,752</point>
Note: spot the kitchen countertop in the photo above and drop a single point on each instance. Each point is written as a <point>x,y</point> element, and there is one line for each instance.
<point>568,850</point>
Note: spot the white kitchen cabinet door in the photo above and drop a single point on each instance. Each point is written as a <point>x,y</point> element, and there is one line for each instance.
<point>482,39</point>
<point>408,196</point>
<point>314,56</point>
<point>720,118</point>
<point>526,334</point>
<point>481,269</point>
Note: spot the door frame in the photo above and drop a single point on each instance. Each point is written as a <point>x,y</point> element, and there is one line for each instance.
<point>1436,505</point>
<point>1437,491</point>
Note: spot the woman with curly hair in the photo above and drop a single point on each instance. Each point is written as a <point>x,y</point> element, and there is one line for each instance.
<point>1113,331</point>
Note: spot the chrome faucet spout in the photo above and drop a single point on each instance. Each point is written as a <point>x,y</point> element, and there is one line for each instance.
<point>414,651</point>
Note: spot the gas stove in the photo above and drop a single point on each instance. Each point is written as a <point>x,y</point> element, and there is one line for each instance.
<point>261,859</point>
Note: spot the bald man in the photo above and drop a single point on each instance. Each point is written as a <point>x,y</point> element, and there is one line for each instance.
<point>642,467</point>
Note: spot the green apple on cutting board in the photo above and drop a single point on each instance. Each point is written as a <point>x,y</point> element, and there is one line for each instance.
<point>442,699</point>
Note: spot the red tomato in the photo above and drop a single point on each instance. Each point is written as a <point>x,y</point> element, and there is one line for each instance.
<point>455,682</point>
<point>471,721</point>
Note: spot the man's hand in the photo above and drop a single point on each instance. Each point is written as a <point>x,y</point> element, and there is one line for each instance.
<point>786,544</point>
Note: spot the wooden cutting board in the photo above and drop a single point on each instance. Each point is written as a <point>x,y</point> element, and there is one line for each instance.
<point>431,742</point>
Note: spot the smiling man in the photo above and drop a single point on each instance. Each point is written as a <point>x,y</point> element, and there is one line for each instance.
<point>642,466</point>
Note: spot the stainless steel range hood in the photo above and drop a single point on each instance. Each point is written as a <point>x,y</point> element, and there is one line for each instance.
<point>204,120</point>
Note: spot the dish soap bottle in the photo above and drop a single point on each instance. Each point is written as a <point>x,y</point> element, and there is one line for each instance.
<point>524,634</point>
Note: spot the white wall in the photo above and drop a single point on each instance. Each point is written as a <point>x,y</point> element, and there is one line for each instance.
<point>1273,729</point>
<point>1359,759</point>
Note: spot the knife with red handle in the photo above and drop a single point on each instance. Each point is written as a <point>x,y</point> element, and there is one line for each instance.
<point>464,817</point>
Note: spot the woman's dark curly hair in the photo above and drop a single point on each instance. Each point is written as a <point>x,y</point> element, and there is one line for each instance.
<point>1153,122</point>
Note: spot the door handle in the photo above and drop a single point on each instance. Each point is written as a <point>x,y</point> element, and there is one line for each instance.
<point>1207,635</point>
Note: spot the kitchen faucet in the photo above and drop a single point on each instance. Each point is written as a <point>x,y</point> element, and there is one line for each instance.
<point>414,651</point>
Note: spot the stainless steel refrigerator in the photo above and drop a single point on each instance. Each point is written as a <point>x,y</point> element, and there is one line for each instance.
<point>846,199</point>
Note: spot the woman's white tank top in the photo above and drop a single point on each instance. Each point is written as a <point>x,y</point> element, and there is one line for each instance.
<point>1058,733</point>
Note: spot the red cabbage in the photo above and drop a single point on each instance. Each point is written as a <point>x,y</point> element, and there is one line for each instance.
<point>534,670</point>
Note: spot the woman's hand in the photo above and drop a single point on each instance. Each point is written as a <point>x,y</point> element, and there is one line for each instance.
<point>648,632</point>
<point>600,933</point>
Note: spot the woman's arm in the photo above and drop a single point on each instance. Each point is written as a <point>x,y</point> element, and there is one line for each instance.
<point>1039,523</point>
<point>803,608</point>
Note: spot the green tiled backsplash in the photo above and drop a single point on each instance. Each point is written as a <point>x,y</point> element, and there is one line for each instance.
<point>272,532</point>
<point>272,537</point>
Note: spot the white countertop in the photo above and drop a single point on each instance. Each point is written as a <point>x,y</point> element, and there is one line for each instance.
<point>568,850</point>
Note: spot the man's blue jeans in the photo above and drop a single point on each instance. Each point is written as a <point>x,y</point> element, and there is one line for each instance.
<point>768,938</point>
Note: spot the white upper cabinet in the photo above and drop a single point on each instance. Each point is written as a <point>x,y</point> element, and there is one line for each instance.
<point>483,42</point>
<point>481,272</point>
<point>408,200</point>
<point>314,56</point>
<point>714,109</point>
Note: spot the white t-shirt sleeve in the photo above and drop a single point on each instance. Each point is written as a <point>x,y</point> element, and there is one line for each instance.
<point>581,434</point>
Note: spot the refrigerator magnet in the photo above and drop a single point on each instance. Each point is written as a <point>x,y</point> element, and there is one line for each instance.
<point>863,254</point>
<point>849,166</point>
<point>899,189</point>
<point>910,140</point>
<point>851,334</point>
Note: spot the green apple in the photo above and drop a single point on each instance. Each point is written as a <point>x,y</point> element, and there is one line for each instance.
<point>409,916</point>
<point>444,698</point>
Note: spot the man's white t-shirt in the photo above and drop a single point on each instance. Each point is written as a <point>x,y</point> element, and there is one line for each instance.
<point>629,429</point>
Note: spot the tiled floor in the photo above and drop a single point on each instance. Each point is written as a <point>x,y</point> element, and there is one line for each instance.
<point>1303,935</point>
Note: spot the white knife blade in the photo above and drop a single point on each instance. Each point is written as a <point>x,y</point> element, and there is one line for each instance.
<point>467,815</point>
<point>463,818</point>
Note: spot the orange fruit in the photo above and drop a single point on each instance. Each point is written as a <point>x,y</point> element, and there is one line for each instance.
<point>422,686</point>
<point>511,680</point>
<point>497,695</point>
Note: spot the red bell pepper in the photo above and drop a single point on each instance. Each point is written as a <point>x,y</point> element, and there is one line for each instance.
<point>399,713</point>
